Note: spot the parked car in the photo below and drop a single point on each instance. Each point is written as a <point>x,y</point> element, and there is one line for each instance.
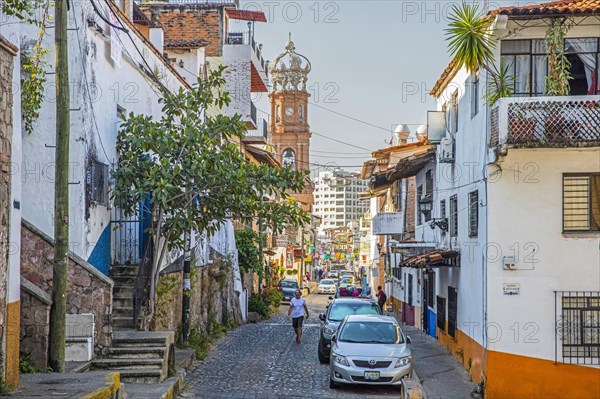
<point>336,311</point>
<point>369,349</point>
<point>345,281</point>
<point>327,286</point>
<point>288,287</point>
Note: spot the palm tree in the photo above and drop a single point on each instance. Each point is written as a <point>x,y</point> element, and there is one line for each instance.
<point>472,46</point>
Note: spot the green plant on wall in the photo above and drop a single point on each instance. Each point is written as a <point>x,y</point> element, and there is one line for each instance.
<point>33,77</point>
<point>246,241</point>
<point>559,66</point>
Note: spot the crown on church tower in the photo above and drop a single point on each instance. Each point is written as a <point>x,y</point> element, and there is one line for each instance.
<point>291,75</point>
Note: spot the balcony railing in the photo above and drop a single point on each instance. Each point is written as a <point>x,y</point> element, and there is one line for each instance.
<point>546,122</point>
<point>245,39</point>
<point>261,131</point>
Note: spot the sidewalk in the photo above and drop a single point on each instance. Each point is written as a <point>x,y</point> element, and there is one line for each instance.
<point>102,384</point>
<point>442,377</point>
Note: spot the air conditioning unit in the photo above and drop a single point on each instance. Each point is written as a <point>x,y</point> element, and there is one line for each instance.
<point>447,149</point>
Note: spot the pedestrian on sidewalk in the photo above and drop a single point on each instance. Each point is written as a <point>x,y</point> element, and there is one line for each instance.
<point>296,313</point>
<point>381,298</point>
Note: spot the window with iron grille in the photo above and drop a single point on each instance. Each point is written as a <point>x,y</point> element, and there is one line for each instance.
<point>474,93</point>
<point>430,289</point>
<point>441,313</point>
<point>473,213</point>
<point>453,113</point>
<point>581,202</point>
<point>453,216</point>
<point>578,327</point>
<point>419,195</point>
<point>98,183</point>
<point>428,191</point>
<point>442,213</point>
<point>452,310</point>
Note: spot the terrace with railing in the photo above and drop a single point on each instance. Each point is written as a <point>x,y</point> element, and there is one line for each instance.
<point>245,39</point>
<point>259,134</point>
<point>571,121</point>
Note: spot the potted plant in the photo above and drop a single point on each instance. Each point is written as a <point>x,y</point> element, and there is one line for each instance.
<point>559,75</point>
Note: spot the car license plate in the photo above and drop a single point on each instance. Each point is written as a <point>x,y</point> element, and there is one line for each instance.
<point>371,375</point>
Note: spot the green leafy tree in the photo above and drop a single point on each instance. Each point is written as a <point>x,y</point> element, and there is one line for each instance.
<point>190,166</point>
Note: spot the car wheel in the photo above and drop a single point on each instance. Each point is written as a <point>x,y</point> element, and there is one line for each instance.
<point>332,384</point>
<point>322,358</point>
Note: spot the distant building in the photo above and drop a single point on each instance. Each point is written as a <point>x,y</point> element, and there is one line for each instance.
<point>336,198</point>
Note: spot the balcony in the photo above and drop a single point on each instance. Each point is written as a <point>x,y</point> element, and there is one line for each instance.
<point>572,121</point>
<point>258,135</point>
<point>241,46</point>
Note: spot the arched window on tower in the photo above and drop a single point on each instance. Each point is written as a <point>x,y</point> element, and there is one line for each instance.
<point>289,158</point>
<point>301,113</point>
<point>277,113</point>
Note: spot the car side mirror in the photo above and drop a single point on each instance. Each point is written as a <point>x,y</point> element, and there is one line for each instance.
<point>408,340</point>
<point>322,316</point>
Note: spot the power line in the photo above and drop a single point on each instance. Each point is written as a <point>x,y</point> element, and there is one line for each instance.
<point>339,141</point>
<point>350,117</point>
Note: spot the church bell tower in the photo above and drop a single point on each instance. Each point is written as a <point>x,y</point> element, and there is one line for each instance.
<point>289,129</point>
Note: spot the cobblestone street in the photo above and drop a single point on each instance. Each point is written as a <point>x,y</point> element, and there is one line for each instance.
<point>263,361</point>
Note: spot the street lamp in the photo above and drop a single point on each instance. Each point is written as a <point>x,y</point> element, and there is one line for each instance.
<point>425,205</point>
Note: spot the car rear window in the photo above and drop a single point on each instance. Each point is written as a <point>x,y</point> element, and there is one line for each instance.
<point>340,310</point>
<point>371,332</point>
<point>289,284</point>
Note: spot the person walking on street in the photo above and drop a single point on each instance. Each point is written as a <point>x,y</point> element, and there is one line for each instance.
<point>381,298</point>
<point>296,313</point>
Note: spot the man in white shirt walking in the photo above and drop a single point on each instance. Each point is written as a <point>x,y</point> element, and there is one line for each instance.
<point>296,312</point>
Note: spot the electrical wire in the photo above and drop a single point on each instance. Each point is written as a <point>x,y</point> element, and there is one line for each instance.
<point>102,17</point>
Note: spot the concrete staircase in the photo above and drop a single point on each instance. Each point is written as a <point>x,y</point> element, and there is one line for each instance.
<point>140,356</point>
<point>124,277</point>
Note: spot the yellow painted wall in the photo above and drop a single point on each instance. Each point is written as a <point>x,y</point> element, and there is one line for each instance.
<point>512,376</point>
<point>13,319</point>
<point>464,348</point>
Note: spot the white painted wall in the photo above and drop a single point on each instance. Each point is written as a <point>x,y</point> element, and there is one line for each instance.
<point>93,127</point>
<point>464,175</point>
<point>527,223</point>
<point>14,238</point>
<point>193,63</point>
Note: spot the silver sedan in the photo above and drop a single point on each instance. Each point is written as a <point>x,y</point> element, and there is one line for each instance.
<point>369,349</point>
<point>327,286</point>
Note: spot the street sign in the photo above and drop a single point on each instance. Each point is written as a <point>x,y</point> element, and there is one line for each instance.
<point>289,260</point>
<point>281,241</point>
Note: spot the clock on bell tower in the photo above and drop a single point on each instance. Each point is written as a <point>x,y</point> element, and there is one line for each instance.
<point>289,129</point>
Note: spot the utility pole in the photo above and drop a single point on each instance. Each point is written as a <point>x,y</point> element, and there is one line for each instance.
<point>58,310</point>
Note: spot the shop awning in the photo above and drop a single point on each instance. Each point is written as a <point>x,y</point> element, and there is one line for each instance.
<point>435,258</point>
<point>246,15</point>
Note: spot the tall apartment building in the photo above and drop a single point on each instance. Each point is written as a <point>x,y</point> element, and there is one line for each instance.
<point>336,198</point>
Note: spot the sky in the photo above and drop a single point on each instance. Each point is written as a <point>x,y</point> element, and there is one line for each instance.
<point>372,60</point>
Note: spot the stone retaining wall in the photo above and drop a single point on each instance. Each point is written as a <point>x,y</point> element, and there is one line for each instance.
<point>88,291</point>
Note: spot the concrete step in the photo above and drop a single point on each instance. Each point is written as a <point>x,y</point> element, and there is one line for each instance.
<point>124,339</point>
<point>123,290</point>
<point>123,270</point>
<point>124,280</point>
<point>123,322</point>
<point>122,302</point>
<point>135,352</point>
<point>141,376</point>
<point>127,363</point>
<point>122,311</point>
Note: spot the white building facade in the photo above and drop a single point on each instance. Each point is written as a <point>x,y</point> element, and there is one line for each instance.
<point>517,194</point>
<point>336,198</point>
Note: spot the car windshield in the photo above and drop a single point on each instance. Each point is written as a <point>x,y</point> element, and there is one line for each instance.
<point>370,332</point>
<point>289,284</point>
<point>326,282</point>
<point>340,310</point>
